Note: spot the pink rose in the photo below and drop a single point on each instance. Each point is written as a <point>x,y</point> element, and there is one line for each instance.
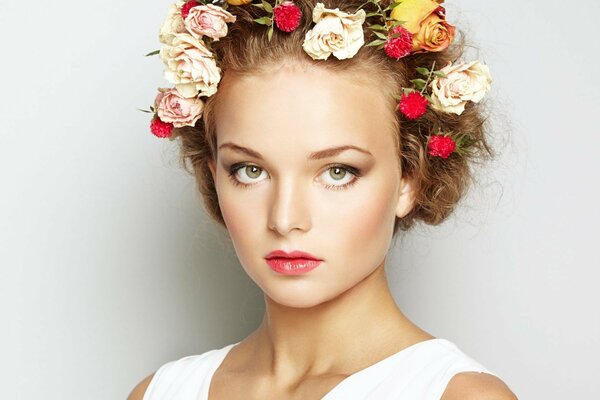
<point>208,20</point>
<point>174,108</point>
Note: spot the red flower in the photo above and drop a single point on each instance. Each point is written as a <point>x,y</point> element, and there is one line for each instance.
<point>441,146</point>
<point>413,105</point>
<point>398,47</point>
<point>287,16</point>
<point>161,129</point>
<point>185,9</point>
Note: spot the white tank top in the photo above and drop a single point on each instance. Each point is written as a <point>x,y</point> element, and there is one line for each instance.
<point>418,372</point>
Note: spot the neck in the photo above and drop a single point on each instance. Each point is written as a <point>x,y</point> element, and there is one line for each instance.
<point>359,325</point>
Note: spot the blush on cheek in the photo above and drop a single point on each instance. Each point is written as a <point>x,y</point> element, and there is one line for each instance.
<point>371,229</point>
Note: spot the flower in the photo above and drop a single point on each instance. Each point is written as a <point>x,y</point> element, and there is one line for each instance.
<point>441,146</point>
<point>287,16</point>
<point>239,2</point>
<point>173,24</point>
<point>185,9</point>
<point>335,32</point>
<point>208,20</point>
<point>190,66</point>
<point>160,128</point>
<point>399,42</point>
<point>413,105</point>
<point>463,82</point>
<point>425,19</point>
<point>172,107</point>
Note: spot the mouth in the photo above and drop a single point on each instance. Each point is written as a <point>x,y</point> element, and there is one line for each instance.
<point>294,263</point>
<point>296,254</point>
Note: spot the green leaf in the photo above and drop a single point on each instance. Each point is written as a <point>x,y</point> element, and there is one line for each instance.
<point>380,35</point>
<point>375,42</point>
<point>258,5</point>
<point>377,27</point>
<point>419,83</point>
<point>371,14</point>
<point>393,5</point>
<point>151,108</point>
<point>440,74</point>
<point>263,20</point>
<point>267,6</point>
<point>146,111</point>
<point>153,53</point>
<point>270,33</point>
<point>423,71</point>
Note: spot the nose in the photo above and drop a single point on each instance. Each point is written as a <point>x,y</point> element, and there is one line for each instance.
<point>290,208</point>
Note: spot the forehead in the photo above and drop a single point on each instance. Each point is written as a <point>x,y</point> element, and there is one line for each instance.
<point>309,107</point>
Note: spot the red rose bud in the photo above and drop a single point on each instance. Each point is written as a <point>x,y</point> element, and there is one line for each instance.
<point>398,47</point>
<point>161,129</point>
<point>185,9</point>
<point>441,146</point>
<point>287,16</point>
<point>413,105</point>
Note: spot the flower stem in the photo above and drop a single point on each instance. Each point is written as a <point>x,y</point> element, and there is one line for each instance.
<point>428,77</point>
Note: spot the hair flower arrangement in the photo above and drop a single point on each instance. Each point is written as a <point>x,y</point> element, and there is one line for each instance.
<point>402,28</point>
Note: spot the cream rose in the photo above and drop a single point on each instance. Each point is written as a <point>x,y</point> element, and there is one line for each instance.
<point>190,66</point>
<point>173,24</point>
<point>208,20</point>
<point>172,107</point>
<point>335,32</point>
<point>464,82</point>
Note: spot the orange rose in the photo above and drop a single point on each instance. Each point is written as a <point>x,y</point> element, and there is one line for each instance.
<point>435,34</point>
<point>430,30</point>
<point>238,2</point>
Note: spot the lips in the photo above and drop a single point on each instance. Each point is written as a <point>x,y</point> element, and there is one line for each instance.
<point>296,254</point>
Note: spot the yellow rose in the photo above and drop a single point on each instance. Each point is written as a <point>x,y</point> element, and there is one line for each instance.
<point>430,30</point>
<point>238,2</point>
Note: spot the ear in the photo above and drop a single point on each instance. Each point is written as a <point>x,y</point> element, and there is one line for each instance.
<point>406,197</point>
<point>213,169</point>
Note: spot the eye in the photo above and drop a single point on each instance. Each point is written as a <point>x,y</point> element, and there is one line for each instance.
<point>342,176</point>
<point>237,171</point>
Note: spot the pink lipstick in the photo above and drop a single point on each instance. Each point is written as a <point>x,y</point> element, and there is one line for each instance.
<point>294,263</point>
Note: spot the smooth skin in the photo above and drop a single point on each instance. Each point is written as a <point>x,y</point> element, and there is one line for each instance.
<point>320,327</point>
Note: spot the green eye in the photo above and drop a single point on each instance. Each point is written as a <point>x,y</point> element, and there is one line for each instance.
<point>337,173</point>
<point>252,171</point>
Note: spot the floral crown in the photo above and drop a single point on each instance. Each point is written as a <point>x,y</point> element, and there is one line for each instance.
<point>403,28</point>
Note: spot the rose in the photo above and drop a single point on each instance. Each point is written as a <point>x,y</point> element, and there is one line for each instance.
<point>190,66</point>
<point>435,34</point>
<point>238,2</point>
<point>172,107</point>
<point>335,32</point>
<point>425,19</point>
<point>208,20</point>
<point>463,82</point>
<point>172,24</point>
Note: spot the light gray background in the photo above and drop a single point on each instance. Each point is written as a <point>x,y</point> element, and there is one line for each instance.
<point>109,266</point>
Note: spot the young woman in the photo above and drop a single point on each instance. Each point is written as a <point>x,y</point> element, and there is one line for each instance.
<point>335,126</point>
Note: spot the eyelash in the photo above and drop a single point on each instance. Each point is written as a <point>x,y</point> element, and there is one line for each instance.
<point>232,170</point>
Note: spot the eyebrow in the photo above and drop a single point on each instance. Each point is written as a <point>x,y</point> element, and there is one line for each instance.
<point>317,155</point>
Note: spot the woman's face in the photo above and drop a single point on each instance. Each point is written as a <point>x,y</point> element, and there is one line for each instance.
<point>286,193</point>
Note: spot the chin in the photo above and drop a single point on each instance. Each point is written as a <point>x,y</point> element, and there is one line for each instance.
<point>292,299</point>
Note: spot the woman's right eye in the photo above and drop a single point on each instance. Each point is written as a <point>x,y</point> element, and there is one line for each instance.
<point>244,174</point>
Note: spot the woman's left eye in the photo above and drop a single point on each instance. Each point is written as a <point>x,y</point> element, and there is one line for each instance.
<point>336,173</point>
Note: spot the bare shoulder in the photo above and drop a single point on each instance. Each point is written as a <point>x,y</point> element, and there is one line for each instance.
<point>473,385</point>
<point>138,392</point>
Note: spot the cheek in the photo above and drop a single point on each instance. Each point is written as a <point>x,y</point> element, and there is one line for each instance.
<point>361,223</point>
